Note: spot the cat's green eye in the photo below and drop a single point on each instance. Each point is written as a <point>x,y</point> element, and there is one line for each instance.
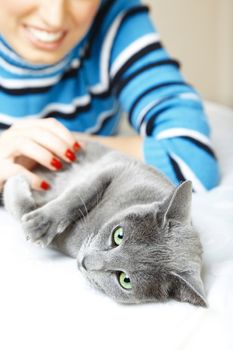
<point>118,235</point>
<point>124,281</point>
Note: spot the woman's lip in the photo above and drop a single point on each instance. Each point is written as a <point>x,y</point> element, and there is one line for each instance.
<point>52,46</point>
<point>45,29</point>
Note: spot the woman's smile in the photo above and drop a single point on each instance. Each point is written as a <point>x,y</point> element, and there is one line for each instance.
<point>44,39</point>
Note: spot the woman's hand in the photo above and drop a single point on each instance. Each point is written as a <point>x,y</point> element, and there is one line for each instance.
<point>29,142</point>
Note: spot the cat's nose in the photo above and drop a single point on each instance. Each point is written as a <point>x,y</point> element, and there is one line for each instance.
<point>92,262</point>
<point>82,264</point>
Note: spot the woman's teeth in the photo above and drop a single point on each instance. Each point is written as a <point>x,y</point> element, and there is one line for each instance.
<point>46,37</point>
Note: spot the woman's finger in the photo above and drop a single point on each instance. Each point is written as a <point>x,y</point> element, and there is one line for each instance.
<point>54,126</point>
<point>36,182</point>
<point>12,169</point>
<point>50,141</point>
<point>28,148</point>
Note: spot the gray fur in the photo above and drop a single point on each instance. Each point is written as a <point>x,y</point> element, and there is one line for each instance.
<point>160,251</point>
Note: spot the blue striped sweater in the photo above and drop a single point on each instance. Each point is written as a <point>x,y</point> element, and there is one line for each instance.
<point>120,65</point>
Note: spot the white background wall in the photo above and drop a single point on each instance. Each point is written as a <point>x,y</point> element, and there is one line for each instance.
<point>200,34</point>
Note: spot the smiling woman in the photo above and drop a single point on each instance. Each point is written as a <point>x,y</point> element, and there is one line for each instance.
<point>73,66</point>
<point>43,32</point>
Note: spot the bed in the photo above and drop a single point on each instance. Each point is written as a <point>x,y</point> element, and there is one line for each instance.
<point>45,303</point>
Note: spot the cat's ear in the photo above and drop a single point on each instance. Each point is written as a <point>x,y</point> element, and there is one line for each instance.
<point>187,287</point>
<point>178,205</point>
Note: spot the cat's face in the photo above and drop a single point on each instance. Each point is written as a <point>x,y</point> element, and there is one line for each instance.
<point>147,253</point>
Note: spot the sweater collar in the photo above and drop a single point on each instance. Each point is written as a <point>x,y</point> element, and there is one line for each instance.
<point>12,58</point>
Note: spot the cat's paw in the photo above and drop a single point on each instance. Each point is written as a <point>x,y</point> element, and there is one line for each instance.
<point>42,225</point>
<point>37,227</point>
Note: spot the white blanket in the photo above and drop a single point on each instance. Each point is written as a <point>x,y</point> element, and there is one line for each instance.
<point>45,303</point>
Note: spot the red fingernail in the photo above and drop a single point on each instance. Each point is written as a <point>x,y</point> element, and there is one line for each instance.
<point>70,155</point>
<point>44,185</point>
<point>76,146</point>
<point>56,163</point>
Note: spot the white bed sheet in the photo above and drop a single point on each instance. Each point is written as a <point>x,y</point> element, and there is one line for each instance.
<point>46,304</point>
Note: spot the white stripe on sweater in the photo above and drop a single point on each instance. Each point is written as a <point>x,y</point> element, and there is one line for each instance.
<point>188,174</point>
<point>105,56</point>
<point>31,83</point>
<point>131,50</point>
<point>178,132</point>
<point>101,118</point>
<point>28,83</point>
<point>59,107</point>
<point>145,110</point>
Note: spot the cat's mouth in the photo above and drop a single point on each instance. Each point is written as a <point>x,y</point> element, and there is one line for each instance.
<point>92,282</point>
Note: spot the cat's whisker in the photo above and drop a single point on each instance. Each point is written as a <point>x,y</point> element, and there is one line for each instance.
<point>82,214</point>
<point>84,205</point>
<point>98,198</point>
<point>91,238</point>
<point>85,217</point>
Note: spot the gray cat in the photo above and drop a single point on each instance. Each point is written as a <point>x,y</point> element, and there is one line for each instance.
<point>125,223</point>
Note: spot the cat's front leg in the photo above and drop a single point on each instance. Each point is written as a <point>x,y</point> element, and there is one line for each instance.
<point>44,223</point>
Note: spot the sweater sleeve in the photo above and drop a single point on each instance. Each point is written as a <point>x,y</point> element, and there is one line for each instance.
<point>165,110</point>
